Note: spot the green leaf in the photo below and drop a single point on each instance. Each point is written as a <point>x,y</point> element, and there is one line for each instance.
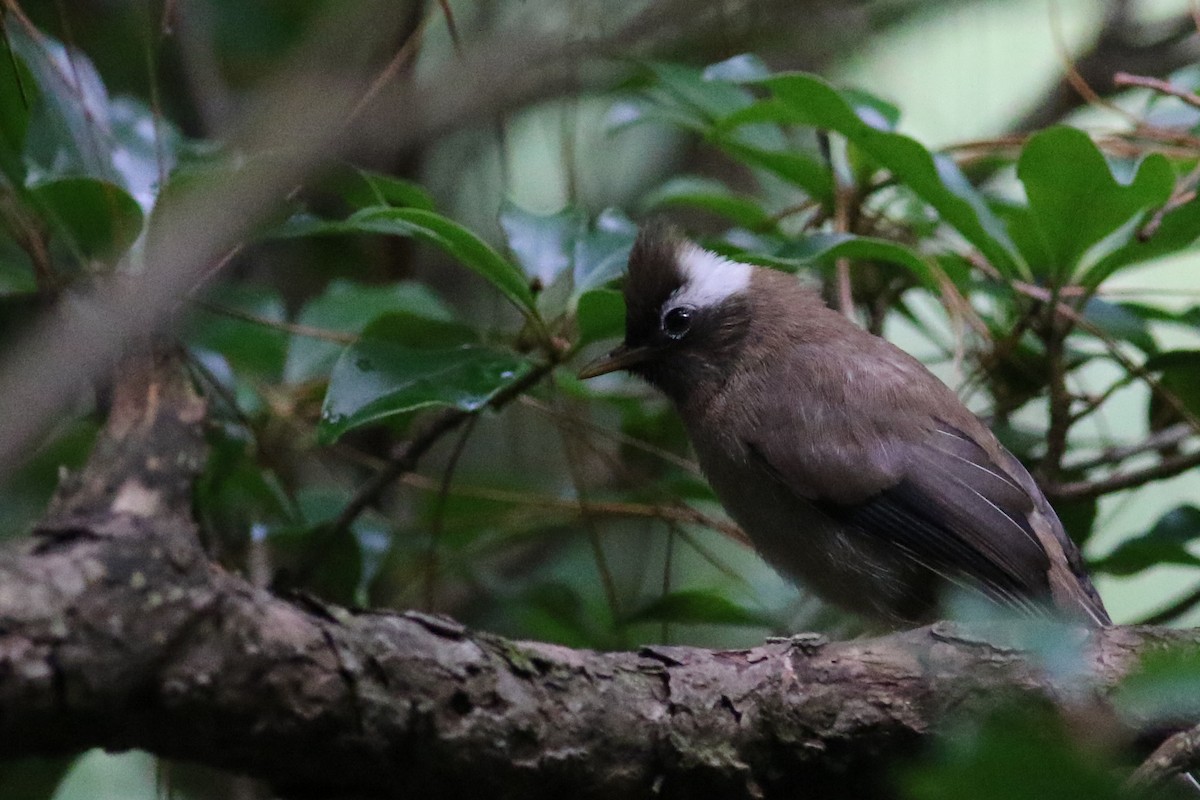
<point>1020,753</point>
<point>145,148</point>
<point>555,612</point>
<point>737,69</point>
<point>1120,323</point>
<point>414,329</point>
<point>1165,543</point>
<point>600,315</point>
<point>377,378</point>
<point>253,350</point>
<point>801,99</point>
<point>602,252</point>
<point>75,129</point>
<point>73,106</point>
<point>544,244</point>
<point>1026,234</point>
<point>26,491</point>
<point>709,195</point>
<point>1076,200</point>
<point>1179,229</point>
<point>826,248</point>
<point>796,168</point>
<point>18,93</point>
<point>706,98</point>
<point>695,607</point>
<point>236,496</point>
<point>1165,690</point>
<point>96,220</point>
<point>347,307</point>
<point>1152,313</point>
<point>314,556</point>
<point>362,188</point>
<point>875,111</point>
<point>1179,374</point>
<point>1078,517</point>
<point>467,248</point>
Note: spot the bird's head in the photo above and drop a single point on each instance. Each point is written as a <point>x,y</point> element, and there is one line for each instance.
<point>687,314</point>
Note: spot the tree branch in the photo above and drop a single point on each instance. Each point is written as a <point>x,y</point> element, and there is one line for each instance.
<point>1178,754</point>
<point>121,634</point>
<point>1083,490</point>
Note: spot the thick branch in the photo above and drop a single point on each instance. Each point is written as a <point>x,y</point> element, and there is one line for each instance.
<point>120,634</point>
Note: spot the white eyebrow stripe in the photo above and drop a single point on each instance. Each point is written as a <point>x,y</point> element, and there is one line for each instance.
<point>708,279</point>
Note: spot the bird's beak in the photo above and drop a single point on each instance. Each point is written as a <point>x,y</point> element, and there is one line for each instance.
<point>622,358</point>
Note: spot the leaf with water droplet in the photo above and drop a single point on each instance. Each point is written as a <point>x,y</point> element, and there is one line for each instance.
<point>347,307</point>
<point>379,378</point>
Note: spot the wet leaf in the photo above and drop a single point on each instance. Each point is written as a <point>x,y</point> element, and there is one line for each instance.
<point>377,378</point>
<point>348,307</point>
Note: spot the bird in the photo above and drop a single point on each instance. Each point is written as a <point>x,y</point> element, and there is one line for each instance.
<point>853,469</point>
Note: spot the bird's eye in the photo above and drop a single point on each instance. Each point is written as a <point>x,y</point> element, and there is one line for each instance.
<point>678,321</point>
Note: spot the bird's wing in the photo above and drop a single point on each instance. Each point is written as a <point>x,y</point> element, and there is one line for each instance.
<point>940,499</point>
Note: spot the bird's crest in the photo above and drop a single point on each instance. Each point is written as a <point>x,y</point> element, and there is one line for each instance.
<point>665,268</point>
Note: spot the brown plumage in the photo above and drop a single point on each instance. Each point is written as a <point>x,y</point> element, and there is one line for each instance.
<point>851,467</point>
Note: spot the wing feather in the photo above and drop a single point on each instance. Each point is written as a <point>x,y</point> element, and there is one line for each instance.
<point>952,510</point>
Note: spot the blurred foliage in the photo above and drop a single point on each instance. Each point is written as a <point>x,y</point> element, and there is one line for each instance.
<point>574,513</point>
<point>1015,756</point>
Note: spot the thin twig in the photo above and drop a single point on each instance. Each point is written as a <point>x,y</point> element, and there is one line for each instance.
<point>403,57</point>
<point>667,512</point>
<point>1094,403</point>
<point>1175,610</point>
<point>1073,76</point>
<point>451,26</point>
<point>1054,335</point>
<point>407,458</point>
<point>1177,755</point>
<point>1167,437</point>
<point>1085,490</point>
<point>293,328</point>
<point>33,239</point>
<point>74,81</point>
<point>152,42</point>
<point>439,512</point>
<point>843,197</point>
<point>1113,347</point>
<point>1157,85</point>
<point>206,376</point>
<point>1185,192</point>
<point>616,436</point>
<point>12,62</point>
<point>1186,189</point>
<point>612,596</point>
